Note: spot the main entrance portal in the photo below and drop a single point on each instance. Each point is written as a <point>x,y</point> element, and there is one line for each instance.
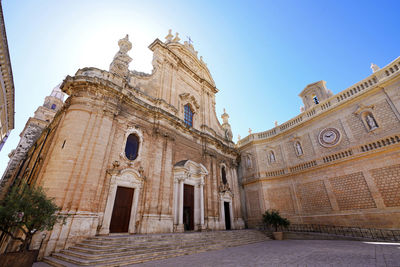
<point>122,210</point>
<point>188,196</point>
<point>188,207</point>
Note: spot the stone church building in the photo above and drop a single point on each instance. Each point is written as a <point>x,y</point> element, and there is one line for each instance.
<point>131,152</point>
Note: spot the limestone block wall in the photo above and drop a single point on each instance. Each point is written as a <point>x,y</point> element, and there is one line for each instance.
<point>349,194</point>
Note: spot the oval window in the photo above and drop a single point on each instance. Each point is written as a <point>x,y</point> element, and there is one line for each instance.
<point>132,147</point>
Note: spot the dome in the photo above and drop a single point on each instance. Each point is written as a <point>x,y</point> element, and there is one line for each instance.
<point>57,93</point>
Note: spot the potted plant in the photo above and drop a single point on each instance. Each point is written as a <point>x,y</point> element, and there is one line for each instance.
<point>23,212</point>
<point>272,218</point>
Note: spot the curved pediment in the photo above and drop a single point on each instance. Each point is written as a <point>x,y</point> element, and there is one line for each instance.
<point>191,167</point>
<point>188,56</point>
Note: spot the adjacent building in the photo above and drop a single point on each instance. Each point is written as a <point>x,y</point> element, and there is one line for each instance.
<point>336,163</point>
<point>6,86</point>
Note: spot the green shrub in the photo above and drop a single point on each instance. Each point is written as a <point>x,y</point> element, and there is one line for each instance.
<point>272,218</point>
<point>27,209</point>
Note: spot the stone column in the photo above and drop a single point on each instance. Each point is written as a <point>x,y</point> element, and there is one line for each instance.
<point>202,203</point>
<point>176,201</point>
<point>180,207</point>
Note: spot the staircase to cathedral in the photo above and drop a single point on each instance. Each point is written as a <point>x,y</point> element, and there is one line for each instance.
<point>130,249</point>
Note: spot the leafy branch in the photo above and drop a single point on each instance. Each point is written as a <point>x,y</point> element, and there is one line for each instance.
<point>28,210</point>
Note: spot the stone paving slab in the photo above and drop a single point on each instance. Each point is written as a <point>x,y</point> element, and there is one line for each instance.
<point>293,253</point>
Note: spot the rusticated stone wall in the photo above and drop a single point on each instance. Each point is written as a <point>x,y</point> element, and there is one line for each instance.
<point>388,183</point>
<point>313,197</point>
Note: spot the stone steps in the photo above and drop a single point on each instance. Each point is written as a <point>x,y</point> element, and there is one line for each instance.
<point>123,250</point>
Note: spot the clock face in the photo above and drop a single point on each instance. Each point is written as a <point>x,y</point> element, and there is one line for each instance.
<point>329,137</point>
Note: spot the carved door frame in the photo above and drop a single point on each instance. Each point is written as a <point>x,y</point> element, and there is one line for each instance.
<point>129,178</point>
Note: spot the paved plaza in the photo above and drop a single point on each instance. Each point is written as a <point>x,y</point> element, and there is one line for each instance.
<point>294,253</point>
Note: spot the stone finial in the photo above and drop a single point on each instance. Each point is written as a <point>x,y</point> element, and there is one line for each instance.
<point>176,39</point>
<point>249,130</point>
<point>276,123</point>
<point>120,63</point>
<point>225,117</point>
<point>124,44</point>
<point>374,67</point>
<point>238,137</point>
<point>168,38</point>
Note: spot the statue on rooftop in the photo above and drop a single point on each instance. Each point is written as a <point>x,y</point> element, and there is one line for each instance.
<point>374,67</point>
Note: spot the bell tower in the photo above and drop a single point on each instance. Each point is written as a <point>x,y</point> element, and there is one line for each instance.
<point>314,93</point>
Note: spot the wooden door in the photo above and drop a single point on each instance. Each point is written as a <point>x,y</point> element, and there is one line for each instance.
<point>122,210</point>
<point>188,207</point>
<point>227,216</point>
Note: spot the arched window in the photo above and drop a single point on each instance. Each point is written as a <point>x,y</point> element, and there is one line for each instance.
<point>53,106</point>
<point>132,147</point>
<point>188,115</point>
<point>223,175</point>
<point>299,149</point>
<point>315,99</point>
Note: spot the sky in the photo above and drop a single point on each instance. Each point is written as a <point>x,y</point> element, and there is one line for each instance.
<point>261,54</point>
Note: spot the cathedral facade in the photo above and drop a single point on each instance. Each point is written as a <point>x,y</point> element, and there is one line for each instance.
<point>336,163</point>
<point>131,152</point>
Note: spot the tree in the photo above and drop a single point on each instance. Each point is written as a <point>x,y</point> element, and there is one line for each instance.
<point>272,217</point>
<point>27,209</point>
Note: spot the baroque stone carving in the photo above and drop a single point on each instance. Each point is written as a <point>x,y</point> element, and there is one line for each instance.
<point>188,98</point>
<point>121,60</point>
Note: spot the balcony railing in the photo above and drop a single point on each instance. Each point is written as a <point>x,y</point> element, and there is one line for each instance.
<point>343,231</point>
